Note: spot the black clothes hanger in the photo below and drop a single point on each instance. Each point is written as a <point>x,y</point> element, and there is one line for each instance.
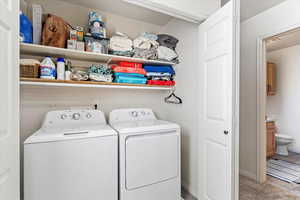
<point>176,100</point>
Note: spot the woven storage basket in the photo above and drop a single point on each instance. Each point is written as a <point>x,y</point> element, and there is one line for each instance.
<point>29,68</point>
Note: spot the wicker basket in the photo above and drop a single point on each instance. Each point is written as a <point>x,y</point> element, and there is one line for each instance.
<point>29,70</point>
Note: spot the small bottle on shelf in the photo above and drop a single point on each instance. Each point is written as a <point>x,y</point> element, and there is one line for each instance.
<point>60,69</point>
<point>68,71</point>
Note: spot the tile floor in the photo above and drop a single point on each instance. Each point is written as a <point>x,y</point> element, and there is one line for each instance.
<point>292,157</point>
<point>273,189</point>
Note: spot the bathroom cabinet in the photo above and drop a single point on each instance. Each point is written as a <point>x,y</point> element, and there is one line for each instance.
<point>271,79</point>
<point>271,145</point>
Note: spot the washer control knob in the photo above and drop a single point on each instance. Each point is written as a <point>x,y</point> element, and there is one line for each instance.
<point>64,116</point>
<point>134,114</point>
<point>143,113</point>
<point>88,116</point>
<point>76,116</point>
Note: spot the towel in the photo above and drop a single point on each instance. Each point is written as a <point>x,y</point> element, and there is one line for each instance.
<point>120,43</point>
<point>157,82</point>
<point>160,69</point>
<point>128,70</point>
<point>128,74</point>
<point>158,74</point>
<point>130,80</point>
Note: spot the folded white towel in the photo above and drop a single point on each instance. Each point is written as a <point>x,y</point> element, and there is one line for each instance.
<point>120,43</point>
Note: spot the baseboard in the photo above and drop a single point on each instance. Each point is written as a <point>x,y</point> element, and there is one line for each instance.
<point>248,174</point>
<point>188,191</point>
<point>184,185</point>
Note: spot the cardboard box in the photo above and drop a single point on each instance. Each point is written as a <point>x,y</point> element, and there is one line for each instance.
<point>37,14</point>
<point>80,46</point>
<point>72,44</point>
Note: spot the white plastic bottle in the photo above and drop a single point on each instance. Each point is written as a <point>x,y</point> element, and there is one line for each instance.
<point>68,71</point>
<point>60,69</point>
<point>47,69</point>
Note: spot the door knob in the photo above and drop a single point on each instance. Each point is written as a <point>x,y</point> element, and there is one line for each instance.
<point>226,132</point>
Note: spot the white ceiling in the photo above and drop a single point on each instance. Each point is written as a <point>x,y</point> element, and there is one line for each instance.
<point>250,8</point>
<point>284,40</point>
<point>124,9</point>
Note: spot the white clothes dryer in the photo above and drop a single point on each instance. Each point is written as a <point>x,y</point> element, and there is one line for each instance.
<point>149,155</point>
<point>74,156</point>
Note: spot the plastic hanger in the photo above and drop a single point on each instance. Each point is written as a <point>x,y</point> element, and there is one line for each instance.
<point>176,100</point>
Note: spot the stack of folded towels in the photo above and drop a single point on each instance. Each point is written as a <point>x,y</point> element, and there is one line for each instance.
<point>160,75</point>
<point>121,45</point>
<point>128,72</point>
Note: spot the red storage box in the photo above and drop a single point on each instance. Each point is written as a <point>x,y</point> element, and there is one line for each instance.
<point>131,64</point>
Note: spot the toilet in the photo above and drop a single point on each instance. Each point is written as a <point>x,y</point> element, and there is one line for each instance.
<point>282,142</point>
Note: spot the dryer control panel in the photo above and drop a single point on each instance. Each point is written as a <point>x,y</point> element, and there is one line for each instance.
<point>124,115</point>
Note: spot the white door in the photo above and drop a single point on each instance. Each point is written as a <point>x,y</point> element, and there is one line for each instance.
<point>217,104</point>
<point>9,100</point>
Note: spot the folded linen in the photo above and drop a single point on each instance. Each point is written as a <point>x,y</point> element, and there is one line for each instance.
<point>161,69</point>
<point>150,36</point>
<point>158,74</point>
<point>130,64</point>
<point>144,43</point>
<point>149,54</point>
<point>160,78</point>
<point>121,53</point>
<point>130,80</point>
<point>128,70</point>
<point>165,53</point>
<point>129,74</point>
<point>157,82</point>
<point>167,41</point>
<point>120,42</point>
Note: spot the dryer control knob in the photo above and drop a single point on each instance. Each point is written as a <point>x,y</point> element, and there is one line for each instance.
<point>134,114</point>
<point>76,116</point>
<point>64,116</point>
<point>88,116</point>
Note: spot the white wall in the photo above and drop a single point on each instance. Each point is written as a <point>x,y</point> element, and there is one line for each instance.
<point>284,106</point>
<point>35,102</point>
<point>200,9</point>
<point>275,19</point>
<point>78,15</point>
<point>186,87</point>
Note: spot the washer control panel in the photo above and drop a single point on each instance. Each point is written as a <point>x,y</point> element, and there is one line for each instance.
<point>71,117</point>
<point>123,115</point>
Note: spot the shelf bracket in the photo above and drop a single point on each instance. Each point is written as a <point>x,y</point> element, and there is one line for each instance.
<point>109,60</point>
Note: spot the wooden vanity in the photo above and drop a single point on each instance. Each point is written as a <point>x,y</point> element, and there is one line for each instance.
<point>271,143</point>
<point>271,79</point>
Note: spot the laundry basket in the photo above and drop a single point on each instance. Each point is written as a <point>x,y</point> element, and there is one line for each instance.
<point>29,68</point>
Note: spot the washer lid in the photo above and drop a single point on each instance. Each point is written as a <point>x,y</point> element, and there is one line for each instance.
<point>143,126</point>
<point>63,133</point>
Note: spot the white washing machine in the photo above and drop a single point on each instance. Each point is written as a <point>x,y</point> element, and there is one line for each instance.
<point>74,156</point>
<point>149,155</point>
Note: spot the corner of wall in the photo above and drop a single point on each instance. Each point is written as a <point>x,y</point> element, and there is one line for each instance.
<point>248,174</point>
<point>189,189</point>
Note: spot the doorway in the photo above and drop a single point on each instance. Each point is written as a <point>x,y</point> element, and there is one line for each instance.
<point>278,156</point>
